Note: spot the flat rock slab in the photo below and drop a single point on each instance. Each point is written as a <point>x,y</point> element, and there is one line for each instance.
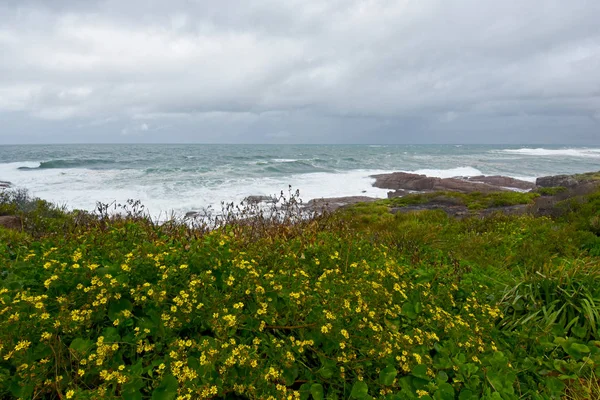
<point>502,181</point>
<point>423,183</point>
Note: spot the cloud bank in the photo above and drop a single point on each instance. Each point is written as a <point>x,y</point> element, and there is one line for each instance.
<point>352,71</point>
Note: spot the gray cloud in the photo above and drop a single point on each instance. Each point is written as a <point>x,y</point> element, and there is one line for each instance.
<point>300,71</point>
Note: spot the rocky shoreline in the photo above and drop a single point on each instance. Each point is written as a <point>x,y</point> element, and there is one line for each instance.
<point>402,184</point>
<point>552,189</point>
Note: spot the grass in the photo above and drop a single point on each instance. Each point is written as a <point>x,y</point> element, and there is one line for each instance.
<point>359,304</point>
<point>551,191</point>
<point>473,201</point>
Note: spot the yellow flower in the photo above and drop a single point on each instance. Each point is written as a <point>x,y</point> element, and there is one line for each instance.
<point>70,394</point>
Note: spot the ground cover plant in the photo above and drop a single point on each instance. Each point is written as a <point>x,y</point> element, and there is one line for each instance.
<point>356,305</point>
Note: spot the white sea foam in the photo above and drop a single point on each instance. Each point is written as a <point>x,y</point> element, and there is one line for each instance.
<point>571,152</point>
<point>82,188</point>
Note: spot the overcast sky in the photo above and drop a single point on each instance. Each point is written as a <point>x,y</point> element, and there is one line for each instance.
<point>300,71</point>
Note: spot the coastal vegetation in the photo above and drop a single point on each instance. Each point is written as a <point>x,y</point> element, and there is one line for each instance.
<point>367,302</point>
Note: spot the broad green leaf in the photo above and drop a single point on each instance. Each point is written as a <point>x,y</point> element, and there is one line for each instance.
<point>359,390</point>
<point>420,371</point>
<point>81,345</point>
<point>387,375</point>
<point>316,390</point>
<point>167,390</point>
<point>116,307</point>
<point>133,395</point>
<point>290,375</point>
<point>444,392</point>
<point>576,350</point>
<point>441,377</point>
<point>326,372</point>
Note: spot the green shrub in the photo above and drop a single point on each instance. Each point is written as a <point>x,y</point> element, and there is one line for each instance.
<point>361,304</point>
<point>551,191</point>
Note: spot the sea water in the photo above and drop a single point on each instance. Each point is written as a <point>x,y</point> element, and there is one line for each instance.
<point>191,177</point>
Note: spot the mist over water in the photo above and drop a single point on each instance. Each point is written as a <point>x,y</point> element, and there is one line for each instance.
<point>183,178</point>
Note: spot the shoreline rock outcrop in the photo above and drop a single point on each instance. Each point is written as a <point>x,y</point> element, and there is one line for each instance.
<point>403,181</point>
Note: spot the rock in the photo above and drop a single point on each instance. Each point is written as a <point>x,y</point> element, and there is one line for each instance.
<point>397,193</point>
<point>567,181</point>
<point>260,199</point>
<point>5,184</point>
<point>502,181</point>
<point>422,183</point>
<point>333,203</point>
<point>10,222</point>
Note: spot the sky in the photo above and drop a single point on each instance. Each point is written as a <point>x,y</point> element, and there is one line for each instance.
<point>300,71</point>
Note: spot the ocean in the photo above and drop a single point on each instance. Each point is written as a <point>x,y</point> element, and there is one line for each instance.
<point>181,178</point>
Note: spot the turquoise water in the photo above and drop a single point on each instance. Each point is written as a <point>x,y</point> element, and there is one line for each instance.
<point>182,178</point>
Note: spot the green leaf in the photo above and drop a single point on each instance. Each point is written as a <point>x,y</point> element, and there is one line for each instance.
<point>555,386</point>
<point>466,394</point>
<point>579,331</point>
<point>116,307</point>
<point>408,309</point>
<point>420,371</point>
<point>387,375</point>
<point>304,391</point>
<point>441,377</point>
<point>326,372</point>
<point>359,390</point>
<point>580,347</point>
<point>137,368</point>
<point>132,395</point>
<point>445,392</point>
<point>290,375</point>
<point>167,390</point>
<point>111,335</point>
<point>576,350</point>
<point>81,345</point>
<point>316,390</point>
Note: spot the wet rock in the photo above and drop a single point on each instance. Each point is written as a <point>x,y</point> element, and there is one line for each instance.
<point>422,183</point>
<point>5,184</point>
<point>397,193</point>
<point>567,181</point>
<point>260,199</point>
<point>502,181</point>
